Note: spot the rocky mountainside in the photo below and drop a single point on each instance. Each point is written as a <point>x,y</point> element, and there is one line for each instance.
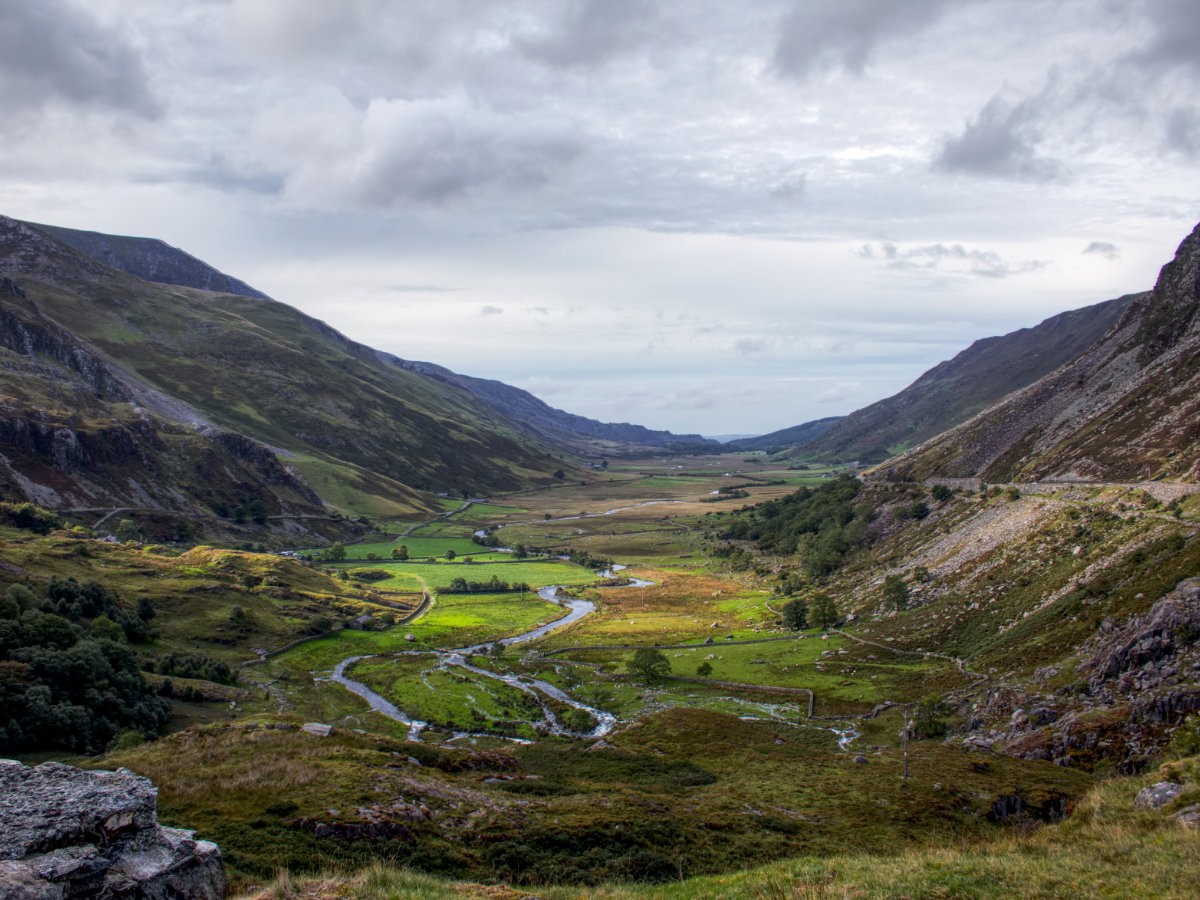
<point>149,259</point>
<point>796,437</point>
<point>953,391</point>
<point>67,833</point>
<point>116,391</point>
<point>153,260</point>
<point>1126,409</point>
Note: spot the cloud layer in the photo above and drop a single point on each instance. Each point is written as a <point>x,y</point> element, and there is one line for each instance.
<point>768,209</point>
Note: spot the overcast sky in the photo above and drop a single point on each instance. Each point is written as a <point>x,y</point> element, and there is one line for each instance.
<point>700,215</point>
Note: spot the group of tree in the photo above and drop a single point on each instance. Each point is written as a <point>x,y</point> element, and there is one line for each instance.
<point>68,677</point>
<point>823,525</point>
<point>492,586</point>
<point>193,665</point>
<point>586,560</point>
<point>28,517</point>
<point>821,612</point>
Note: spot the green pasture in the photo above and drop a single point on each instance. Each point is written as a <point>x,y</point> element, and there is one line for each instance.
<point>451,698</point>
<point>454,620</point>
<point>438,575</point>
<point>420,548</point>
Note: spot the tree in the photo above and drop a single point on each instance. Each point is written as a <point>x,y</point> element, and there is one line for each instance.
<point>928,722</point>
<point>823,612</point>
<point>400,552</point>
<point>650,665</point>
<point>795,615</point>
<point>895,592</point>
<point>704,669</point>
<point>127,531</point>
<point>560,474</point>
<point>336,553</point>
<point>941,493</point>
<point>450,554</point>
<point>521,551</point>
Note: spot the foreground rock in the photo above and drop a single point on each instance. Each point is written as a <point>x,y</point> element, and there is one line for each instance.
<point>69,833</point>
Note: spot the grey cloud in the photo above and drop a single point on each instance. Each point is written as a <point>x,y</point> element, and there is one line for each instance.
<point>1183,130</point>
<point>51,51</point>
<point>1176,35</point>
<point>824,34</point>
<point>591,32</point>
<point>216,173</point>
<point>749,346</point>
<point>790,186</point>
<point>490,311</point>
<point>1000,142</point>
<point>1103,248</point>
<point>436,152</point>
<point>954,258</point>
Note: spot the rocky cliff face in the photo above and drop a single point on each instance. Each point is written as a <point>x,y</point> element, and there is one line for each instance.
<point>1127,409</point>
<point>68,833</point>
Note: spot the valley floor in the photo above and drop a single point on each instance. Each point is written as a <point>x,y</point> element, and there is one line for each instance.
<point>552,761</point>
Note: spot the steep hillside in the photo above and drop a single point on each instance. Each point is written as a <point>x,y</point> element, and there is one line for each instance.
<point>796,437</point>
<point>953,391</point>
<point>1127,409</point>
<point>117,388</point>
<point>149,259</point>
<point>153,260</point>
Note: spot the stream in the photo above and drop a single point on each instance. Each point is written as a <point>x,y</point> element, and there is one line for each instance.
<point>577,609</point>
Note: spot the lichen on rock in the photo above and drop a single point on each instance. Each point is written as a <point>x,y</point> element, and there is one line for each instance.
<point>66,832</point>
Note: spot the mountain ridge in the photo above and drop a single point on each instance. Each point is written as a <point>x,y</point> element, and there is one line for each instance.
<point>1127,409</point>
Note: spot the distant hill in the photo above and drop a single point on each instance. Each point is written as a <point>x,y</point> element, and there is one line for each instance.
<point>1127,408</point>
<point>564,429</point>
<point>953,391</point>
<point>149,259</point>
<point>795,438</point>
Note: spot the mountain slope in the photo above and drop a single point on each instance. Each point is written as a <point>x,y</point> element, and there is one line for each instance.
<point>149,259</point>
<point>1126,409</point>
<point>795,437</point>
<point>953,391</point>
<point>153,260</point>
<point>92,349</point>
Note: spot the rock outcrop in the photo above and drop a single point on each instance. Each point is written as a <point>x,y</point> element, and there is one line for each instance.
<point>68,833</point>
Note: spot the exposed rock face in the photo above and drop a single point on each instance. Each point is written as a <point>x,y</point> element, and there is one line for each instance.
<point>69,833</point>
<point>1141,683</point>
<point>1147,639</point>
<point>1123,410</point>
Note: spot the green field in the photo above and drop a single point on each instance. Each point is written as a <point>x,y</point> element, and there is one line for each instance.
<point>438,575</point>
<point>420,547</point>
<point>453,698</point>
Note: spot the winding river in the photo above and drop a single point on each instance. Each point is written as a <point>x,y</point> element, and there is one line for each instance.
<point>536,688</point>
